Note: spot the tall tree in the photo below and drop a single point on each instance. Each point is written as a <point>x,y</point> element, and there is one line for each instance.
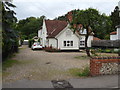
<point>9,39</point>
<point>100,23</point>
<point>29,26</point>
<point>115,17</point>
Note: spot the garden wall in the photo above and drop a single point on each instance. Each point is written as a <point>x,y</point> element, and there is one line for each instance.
<point>104,65</point>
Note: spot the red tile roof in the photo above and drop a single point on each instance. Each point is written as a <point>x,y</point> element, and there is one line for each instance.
<point>113,33</point>
<point>54,27</point>
<point>95,38</point>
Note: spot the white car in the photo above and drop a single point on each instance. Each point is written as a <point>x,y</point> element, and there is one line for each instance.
<point>36,45</point>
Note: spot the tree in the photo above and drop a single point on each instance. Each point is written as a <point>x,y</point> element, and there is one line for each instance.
<point>87,18</point>
<point>29,26</point>
<point>100,23</point>
<point>10,37</point>
<point>115,18</point>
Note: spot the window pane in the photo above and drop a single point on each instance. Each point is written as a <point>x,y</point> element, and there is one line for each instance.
<point>71,43</point>
<point>68,41</point>
<point>68,44</point>
<point>64,43</point>
<point>82,43</point>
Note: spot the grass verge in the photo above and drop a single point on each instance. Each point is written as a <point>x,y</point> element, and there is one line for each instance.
<point>9,63</point>
<point>82,57</point>
<point>80,72</point>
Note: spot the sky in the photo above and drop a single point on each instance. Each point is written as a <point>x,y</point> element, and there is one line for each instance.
<point>54,8</point>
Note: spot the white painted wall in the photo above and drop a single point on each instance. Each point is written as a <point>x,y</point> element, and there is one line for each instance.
<point>118,33</point>
<point>43,34</point>
<point>62,37</point>
<point>116,36</point>
<point>40,33</point>
<point>113,37</point>
<point>52,42</point>
<point>90,38</point>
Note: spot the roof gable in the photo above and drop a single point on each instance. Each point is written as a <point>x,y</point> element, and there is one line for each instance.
<point>54,27</point>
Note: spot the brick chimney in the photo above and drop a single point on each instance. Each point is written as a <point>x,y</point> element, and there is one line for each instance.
<point>69,16</point>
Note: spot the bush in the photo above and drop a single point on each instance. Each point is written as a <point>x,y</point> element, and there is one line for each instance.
<point>85,72</point>
<point>107,51</point>
<point>30,42</point>
<point>119,52</point>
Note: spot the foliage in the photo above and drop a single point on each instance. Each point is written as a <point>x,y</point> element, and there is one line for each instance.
<point>100,23</point>
<point>32,35</point>
<point>85,72</point>
<point>82,57</point>
<point>30,42</point>
<point>29,26</point>
<point>115,18</point>
<point>9,63</point>
<point>119,52</point>
<point>10,37</point>
<point>107,50</point>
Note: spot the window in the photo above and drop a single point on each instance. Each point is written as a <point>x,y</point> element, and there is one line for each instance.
<point>82,43</point>
<point>64,43</point>
<point>71,43</point>
<point>68,43</point>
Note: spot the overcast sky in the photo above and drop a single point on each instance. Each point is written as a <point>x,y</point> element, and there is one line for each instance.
<point>55,8</point>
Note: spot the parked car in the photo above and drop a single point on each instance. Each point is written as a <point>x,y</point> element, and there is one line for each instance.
<point>36,45</point>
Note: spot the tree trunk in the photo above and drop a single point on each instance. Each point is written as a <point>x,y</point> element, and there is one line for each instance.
<point>86,39</point>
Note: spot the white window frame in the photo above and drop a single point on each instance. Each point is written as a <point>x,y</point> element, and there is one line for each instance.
<point>68,43</point>
<point>82,43</point>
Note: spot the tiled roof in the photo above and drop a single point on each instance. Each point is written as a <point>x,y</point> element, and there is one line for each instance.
<point>113,33</point>
<point>95,38</point>
<point>54,27</point>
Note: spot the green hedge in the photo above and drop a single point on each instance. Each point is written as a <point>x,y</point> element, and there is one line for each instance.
<point>30,42</point>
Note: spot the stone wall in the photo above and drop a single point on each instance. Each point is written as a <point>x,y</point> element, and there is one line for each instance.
<point>104,65</point>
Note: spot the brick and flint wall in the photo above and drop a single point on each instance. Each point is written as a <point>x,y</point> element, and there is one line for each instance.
<point>104,65</point>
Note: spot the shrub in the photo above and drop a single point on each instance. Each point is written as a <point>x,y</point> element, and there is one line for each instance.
<point>119,52</point>
<point>85,72</point>
<point>30,42</point>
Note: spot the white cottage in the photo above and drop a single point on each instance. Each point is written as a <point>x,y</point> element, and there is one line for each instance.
<point>57,34</point>
<point>115,35</point>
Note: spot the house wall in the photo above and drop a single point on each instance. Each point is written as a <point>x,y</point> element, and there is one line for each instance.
<point>43,34</point>
<point>82,38</point>
<point>39,33</point>
<point>113,37</point>
<point>64,37</point>
<point>118,33</point>
<point>52,42</point>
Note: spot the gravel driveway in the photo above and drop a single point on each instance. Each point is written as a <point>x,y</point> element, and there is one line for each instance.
<point>41,65</point>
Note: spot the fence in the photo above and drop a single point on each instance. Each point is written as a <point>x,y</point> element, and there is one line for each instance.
<point>106,43</point>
